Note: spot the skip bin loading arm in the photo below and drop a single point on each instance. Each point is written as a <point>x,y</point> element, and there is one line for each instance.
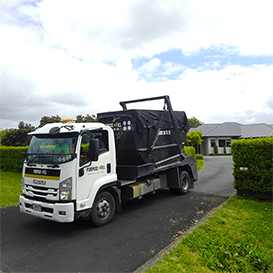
<point>168,102</point>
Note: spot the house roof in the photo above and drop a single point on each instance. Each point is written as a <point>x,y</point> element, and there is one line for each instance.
<point>206,128</point>
<point>234,129</point>
<point>256,130</point>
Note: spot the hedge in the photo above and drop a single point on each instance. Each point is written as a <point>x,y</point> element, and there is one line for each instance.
<point>253,165</point>
<point>10,158</point>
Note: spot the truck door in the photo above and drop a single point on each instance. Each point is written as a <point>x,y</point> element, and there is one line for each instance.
<point>92,174</point>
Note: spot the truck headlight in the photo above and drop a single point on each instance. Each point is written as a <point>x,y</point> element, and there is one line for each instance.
<point>65,195</point>
<point>65,188</point>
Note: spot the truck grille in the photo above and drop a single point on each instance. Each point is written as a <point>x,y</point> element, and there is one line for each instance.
<point>41,193</point>
<point>44,209</point>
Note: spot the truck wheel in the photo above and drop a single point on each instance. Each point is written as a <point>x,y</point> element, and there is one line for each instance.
<point>184,182</point>
<point>103,209</point>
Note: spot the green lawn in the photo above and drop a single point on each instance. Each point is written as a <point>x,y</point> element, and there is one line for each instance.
<point>238,238</point>
<point>10,188</point>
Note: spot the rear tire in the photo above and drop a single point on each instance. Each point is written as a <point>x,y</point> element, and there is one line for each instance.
<point>103,209</point>
<point>184,184</point>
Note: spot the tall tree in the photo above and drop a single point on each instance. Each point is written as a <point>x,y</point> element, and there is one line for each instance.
<point>3,132</point>
<point>194,122</point>
<point>86,118</point>
<point>45,120</point>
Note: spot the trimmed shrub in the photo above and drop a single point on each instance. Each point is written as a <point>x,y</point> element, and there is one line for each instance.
<point>190,151</point>
<point>253,165</point>
<point>10,158</point>
<point>215,149</point>
<point>199,156</point>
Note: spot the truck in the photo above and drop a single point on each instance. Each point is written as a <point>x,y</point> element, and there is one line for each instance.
<point>86,170</point>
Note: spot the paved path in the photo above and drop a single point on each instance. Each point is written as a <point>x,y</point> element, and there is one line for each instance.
<point>216,177</point>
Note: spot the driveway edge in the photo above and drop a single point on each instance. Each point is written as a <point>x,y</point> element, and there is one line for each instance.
<point>167,249</point>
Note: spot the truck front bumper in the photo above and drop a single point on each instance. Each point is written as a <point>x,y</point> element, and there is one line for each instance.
<point>58,212</point>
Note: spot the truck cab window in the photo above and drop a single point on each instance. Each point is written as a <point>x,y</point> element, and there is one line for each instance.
<point>102,136</point>
<point>46,149</point>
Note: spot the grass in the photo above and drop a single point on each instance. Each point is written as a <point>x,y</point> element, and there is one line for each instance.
<point>10,188</point>
<point>237,238</point>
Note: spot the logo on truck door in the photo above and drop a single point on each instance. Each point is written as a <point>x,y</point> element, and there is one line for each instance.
<point>96,169</point>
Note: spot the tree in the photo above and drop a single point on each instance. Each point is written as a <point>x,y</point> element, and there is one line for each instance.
<point>194,122</point>
<point>26,126</point>
<point>3,132</point>
<point>45,120</point>
<point>194,138</point>
<point>88,118</point>
<point>18,137</point>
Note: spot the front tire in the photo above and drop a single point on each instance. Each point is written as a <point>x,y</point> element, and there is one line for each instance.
<point>103,209</point>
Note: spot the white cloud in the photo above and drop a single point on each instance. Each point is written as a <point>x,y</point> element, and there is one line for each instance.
<point>66,58</point>
<point>233,89</point>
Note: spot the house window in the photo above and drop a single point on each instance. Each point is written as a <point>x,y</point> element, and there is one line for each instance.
<point>224,142</point>
<point>228,141</point>
<point>212,143</point>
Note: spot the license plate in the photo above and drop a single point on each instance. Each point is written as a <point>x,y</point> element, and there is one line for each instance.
<point>37,207</point>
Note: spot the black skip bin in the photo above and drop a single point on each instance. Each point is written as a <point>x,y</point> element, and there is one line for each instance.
<point>145,137</point>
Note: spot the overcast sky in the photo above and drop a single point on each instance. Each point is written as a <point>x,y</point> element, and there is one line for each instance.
<point>214,58</point>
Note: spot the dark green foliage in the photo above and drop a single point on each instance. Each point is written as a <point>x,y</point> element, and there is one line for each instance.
<point>18,137</point>
<point>194,122</point>
<point>3,132</point>
<point>86,118</point>
<point>45,120</point>
<point>215,149</point>
<point>253,165</point>
<point>10,158</point>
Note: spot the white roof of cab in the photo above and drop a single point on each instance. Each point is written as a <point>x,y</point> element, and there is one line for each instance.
<point>68,127</point>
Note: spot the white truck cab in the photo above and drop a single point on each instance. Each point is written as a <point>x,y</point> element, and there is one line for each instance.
<point>61,184</point>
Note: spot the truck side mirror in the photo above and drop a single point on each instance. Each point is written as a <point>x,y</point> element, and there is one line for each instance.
<point>93,154</point>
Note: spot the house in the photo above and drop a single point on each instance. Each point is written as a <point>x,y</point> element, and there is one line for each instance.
<point>222,134</point>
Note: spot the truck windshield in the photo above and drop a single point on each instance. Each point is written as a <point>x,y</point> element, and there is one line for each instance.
<point>52,149</point>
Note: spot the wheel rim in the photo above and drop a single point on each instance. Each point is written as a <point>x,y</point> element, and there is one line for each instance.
<point>103,209</point>
<point>185,183</point>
